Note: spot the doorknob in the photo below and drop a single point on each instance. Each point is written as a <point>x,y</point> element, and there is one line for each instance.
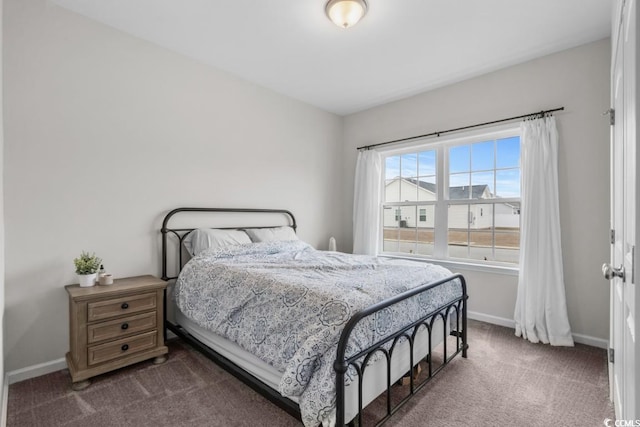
<point>610,272</point>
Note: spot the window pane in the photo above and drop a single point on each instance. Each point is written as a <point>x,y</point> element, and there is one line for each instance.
<point>425,240</point>
<point>482,156</point>
<point>407,232</point>
<point>508,183</point>
<point>481,245</point>
<point>482,185</point>
<point>508,246</point>
<point>458,232</point>
<point>392,167</point>
<point>508,216</point>
<point>459,160</point>
<point>481,217</point>
<point>391,217</point>
<point>426,217</point>
<point>409,165</point>
<point>408,217</point>
<point>472,235</point>
<point>427,188</point>
<point>408,190</point>
<point>508,240</point>
<point>409,229</point>
<point>508,155</point>
<point>392,190</point>
<point>459,217</point>
<point>427,163</point>
<point>459,186</point>
<point>389,245</point>
<point>390,222</point>
<point>427,170</point>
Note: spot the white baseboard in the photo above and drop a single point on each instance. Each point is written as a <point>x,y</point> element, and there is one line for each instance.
<point>494,320</point>
<point>35,371</point>
<point>43,369</point>
<point>5,401</point>
<point>510,323</point>
<point>25,374</point>
<point>592,341</point>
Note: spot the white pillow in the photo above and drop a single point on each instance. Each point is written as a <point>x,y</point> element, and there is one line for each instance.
<point>203,238</point>
<point>271,234</point>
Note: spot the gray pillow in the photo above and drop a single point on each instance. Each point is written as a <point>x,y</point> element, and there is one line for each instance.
<point>204,238</point>
<point>270,234</point>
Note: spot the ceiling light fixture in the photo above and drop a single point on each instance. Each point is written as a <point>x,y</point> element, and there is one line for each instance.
<point>346,13</point>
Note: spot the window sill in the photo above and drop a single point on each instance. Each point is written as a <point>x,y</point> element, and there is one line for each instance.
<point>462,265</point>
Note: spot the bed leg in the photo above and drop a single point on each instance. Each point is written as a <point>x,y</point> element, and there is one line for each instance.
<point>465,346</point>
<point>465,297</point>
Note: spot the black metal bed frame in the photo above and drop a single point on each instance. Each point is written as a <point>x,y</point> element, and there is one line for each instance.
<point>343,361</point>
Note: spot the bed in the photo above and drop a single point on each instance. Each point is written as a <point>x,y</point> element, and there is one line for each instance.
<point>303,326</point>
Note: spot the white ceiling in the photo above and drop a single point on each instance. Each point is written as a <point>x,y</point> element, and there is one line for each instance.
<point>400,48</point>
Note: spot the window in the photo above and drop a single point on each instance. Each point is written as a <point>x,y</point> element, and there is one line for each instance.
<point>457,199</point>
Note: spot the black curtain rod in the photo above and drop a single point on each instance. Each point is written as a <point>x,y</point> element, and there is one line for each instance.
<point>539,113</point>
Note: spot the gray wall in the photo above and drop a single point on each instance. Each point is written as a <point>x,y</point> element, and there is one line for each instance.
<point>577,79</point>
<point>105,133</point>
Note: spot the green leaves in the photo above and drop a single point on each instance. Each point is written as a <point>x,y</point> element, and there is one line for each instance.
<point>87,263</point>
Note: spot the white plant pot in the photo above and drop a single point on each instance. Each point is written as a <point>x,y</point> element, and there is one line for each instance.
<point>87,280</point>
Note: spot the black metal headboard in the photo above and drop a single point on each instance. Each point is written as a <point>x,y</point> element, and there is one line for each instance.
<point>181,233</point>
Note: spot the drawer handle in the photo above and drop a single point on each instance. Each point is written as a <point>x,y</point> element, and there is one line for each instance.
<point>125,347</point>
<point>124,326</point>
<point>124,306</point>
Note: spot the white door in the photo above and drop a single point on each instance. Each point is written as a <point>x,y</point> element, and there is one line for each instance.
<point>622,362</point>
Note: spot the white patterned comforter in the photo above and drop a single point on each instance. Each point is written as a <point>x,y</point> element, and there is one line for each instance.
<point>286,303</point>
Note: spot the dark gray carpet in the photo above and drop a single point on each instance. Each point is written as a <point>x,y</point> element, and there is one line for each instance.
<point>506,381</point>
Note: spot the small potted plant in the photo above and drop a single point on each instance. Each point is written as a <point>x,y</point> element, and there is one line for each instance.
<point>87,266</point>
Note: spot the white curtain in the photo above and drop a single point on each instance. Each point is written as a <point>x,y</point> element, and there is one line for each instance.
<point>366,203</point>
<point>541,309</point>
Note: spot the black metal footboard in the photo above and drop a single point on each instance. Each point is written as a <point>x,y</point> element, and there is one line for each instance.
<point>359,361</point>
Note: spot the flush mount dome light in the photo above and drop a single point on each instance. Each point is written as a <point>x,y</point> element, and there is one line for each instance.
<point>346,13</point>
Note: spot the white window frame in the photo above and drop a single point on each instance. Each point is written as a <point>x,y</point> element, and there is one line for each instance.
<point>441,146</point>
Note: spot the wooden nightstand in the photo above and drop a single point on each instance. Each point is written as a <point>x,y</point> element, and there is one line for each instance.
<point>114,326</point>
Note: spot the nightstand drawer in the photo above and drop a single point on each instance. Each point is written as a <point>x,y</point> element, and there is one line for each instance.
<point>116,307</point>
<point>114,326</point>
<point>121,348</point>
<point>118,328</point>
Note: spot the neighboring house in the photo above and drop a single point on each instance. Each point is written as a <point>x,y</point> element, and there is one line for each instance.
<point>473,216</point>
